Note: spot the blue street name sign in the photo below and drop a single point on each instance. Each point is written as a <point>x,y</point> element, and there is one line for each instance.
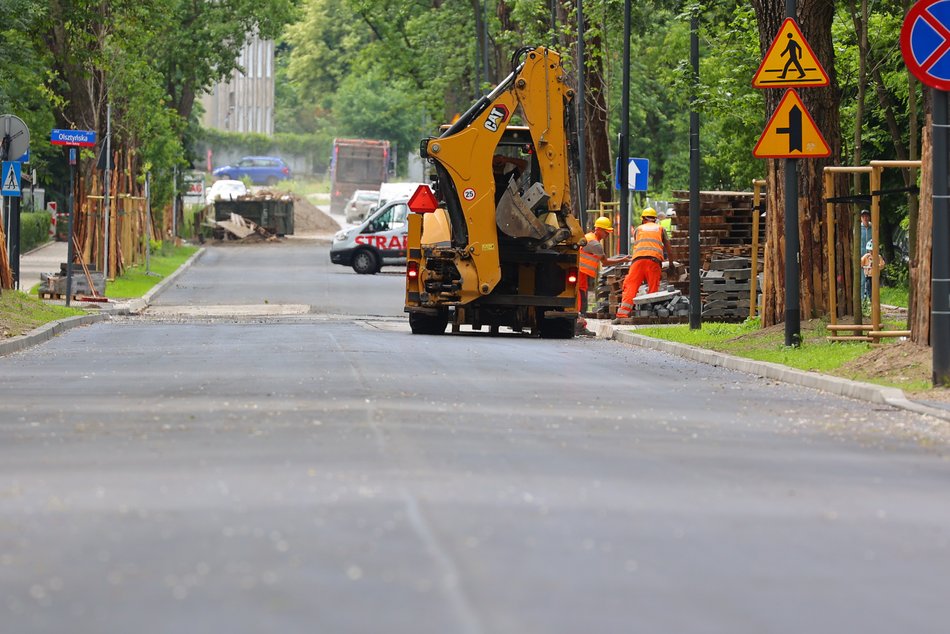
<point>638,174</point>
<point>80,138</point>
<point>10,178</point>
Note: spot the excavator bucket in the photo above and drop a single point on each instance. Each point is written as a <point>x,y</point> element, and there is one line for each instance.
<point>514,216</point>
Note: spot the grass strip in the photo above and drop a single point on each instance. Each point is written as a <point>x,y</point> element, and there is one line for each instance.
<point>20,313</point>
<point>749,340</point>
<point>135,282</point>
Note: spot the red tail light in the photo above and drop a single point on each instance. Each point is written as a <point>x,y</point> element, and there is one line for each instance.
<point>572,276</point>
<point>412,270</point>
<point>286,170</point>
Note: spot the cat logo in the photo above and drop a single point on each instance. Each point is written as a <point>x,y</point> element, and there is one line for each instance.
<point>496,117</point>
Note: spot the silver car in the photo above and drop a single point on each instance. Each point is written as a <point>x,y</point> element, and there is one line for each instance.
<point>360,204</point>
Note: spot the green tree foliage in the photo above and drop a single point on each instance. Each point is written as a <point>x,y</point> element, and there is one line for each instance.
<point>195,44</point>
<point>63,61</point>
<point>378,68</point>
<point>23,91</point>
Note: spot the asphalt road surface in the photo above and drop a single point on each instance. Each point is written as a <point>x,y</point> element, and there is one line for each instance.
<point>324,473</point>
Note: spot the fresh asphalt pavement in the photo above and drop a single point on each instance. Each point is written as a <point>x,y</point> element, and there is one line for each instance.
<point>325,473</point>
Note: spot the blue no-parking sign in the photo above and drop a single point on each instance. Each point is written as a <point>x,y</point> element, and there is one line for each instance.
<point>925,42</point>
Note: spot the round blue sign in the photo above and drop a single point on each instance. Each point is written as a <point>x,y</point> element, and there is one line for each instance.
<point>925,42</point>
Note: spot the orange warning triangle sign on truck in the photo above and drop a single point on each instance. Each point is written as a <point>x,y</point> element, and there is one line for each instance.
<point>791,132</point>
<point>790,62</point>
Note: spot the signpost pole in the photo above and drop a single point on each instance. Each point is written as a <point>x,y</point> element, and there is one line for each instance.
<point>70,250</point>
<point>793,335</point>
<point>695,299</point>
<point>581,120</point>
<point>174,204</point>
<point>792,248</point>
<point>623,245</point>
<point>107,192</point>
<point>4,209</point>
<point>13,208</point>
<point>148,223</point>
<point>940,296</point>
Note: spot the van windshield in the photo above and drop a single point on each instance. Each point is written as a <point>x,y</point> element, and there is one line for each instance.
<point>392,218</point>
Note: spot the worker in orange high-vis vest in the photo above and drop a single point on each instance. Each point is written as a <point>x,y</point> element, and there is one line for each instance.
<point>592,255</point>
<point>650,246</point>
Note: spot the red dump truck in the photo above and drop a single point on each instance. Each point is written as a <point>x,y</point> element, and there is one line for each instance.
<point>356,164</point>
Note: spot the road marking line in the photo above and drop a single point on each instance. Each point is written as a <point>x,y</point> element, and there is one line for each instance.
<point>450,581</point>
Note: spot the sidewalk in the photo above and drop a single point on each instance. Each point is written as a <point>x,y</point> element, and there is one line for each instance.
<point>44,259</point>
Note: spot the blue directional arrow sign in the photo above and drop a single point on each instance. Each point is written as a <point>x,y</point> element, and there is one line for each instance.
<point>10,178</point>
<point>925,42</point>
<point>638,174</point>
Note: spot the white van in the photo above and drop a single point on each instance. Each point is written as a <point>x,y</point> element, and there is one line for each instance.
<point>380,240</point>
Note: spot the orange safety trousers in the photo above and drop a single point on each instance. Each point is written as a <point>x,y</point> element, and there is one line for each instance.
<point>641,269</point>
<point>583,283</point>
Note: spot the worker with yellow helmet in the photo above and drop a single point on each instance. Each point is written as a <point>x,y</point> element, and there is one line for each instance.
<point>650,248</point>
<point>592,255</point>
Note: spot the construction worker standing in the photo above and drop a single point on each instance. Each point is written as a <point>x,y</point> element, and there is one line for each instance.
<point>592,255</point>
<point>650,246</point>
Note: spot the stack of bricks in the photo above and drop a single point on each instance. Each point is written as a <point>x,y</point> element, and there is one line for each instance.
<point>725,288</point>
<point>667,305</point>
<point>725,226</point>
<point>609,291</point>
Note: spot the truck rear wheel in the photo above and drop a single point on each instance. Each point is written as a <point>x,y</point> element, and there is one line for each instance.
<point>423,324</point>
<point>556,328</point>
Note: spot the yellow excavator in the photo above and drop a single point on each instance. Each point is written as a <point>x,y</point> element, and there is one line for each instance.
<point>497,245</point>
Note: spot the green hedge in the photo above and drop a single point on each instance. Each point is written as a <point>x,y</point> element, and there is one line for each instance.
<point>34,230</point>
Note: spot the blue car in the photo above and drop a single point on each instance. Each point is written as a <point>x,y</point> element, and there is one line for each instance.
<point>262,170</point>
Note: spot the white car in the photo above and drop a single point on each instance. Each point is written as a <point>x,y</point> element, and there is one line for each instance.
<point>225,189</point>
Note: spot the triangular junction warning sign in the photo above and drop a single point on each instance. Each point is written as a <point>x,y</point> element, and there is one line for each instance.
<point>790,62</point>
<point>791,132</point>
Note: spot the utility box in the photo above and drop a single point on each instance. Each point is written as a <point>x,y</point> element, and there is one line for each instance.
<point>274,214</point>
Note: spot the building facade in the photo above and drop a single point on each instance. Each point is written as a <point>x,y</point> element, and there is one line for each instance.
<point>245,103</point>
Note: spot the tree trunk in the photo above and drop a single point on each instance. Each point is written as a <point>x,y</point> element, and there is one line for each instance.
<point>921,271</point>
<point>814,18</point>
<point>597,131</point>
<point>913,207</point>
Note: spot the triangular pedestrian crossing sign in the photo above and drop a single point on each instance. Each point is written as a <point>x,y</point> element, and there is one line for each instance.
<point>10,181</point>
<point>791,132</point>
<point>790,62</point>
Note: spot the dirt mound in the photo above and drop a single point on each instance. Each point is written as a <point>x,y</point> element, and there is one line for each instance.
<point>899,361</point>
<point>309,219</point>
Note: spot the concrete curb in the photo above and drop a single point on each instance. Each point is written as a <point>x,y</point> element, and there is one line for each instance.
<point>47,332</point>
<point>139,304</point>
<point>832,384</point>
